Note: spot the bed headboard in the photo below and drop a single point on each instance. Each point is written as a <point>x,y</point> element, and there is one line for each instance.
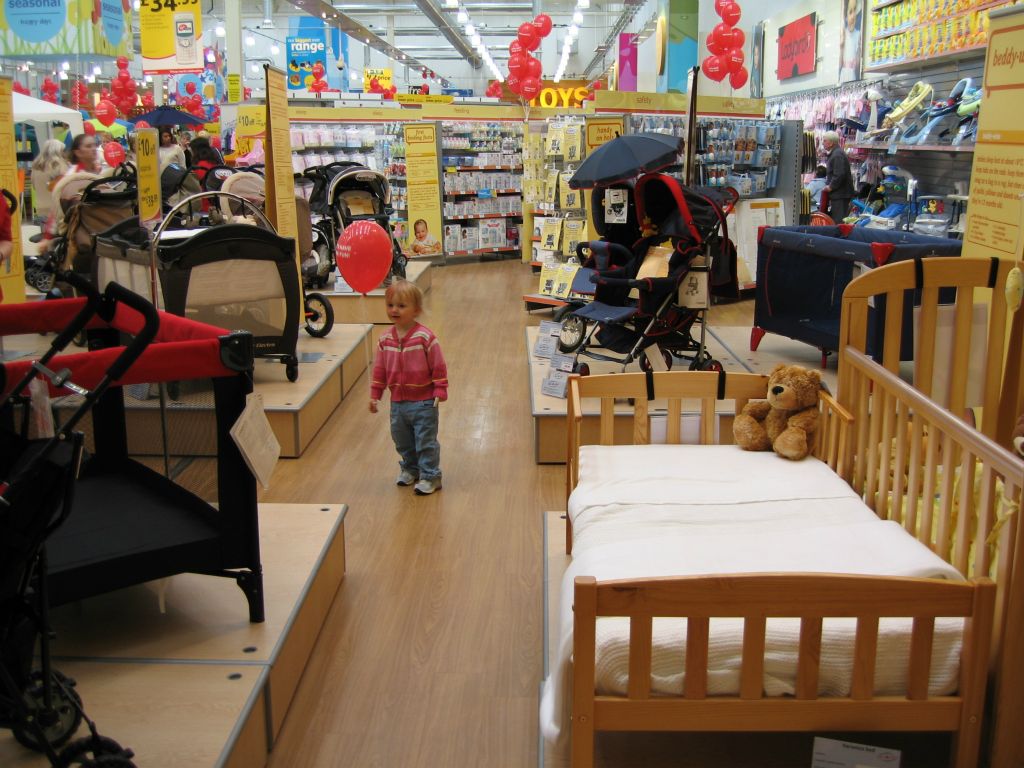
<point>976,281</point>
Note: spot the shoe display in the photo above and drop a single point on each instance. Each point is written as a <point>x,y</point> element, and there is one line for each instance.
<point>406,478</point>
<point>426,487</point>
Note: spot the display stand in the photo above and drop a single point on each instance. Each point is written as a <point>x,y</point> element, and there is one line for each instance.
<point>142,671</point>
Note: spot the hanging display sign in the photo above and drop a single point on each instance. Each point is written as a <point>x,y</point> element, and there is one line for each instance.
<point>12,270</point>
<point>234,88</point>
<point>381,75</point>
<point>997,175</point>
<point>304,52</point>
<point>627,61</point>
<point>280,188</point>
<point>65,27</point>
<point>601,130</point>
<point>250,124</point>
<point>147,162</point>
<point>171,35</point>
<point>798,48</point>
<point>563,94</point>
<point>425,238</point>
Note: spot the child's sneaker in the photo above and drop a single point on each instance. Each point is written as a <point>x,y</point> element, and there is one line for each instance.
<point>405,477</point>
<point>425,487</point>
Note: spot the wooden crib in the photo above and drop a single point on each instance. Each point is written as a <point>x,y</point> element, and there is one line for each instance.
<point>912,461</point>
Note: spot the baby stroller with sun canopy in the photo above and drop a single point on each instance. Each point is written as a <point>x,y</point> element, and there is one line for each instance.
<point>656,297</point>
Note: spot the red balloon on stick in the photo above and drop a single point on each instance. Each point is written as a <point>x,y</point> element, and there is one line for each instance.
<point>318,71</point>
<point>215,142</point>
<point>122,62</point>
<point>363,255</point>
<point>113,153</point>
<point>731,13</point>
<point>738,78</point>
<point>722,36</point>
<point>528,37</point>
<point>106,112</point>
<point>543,24</point>
<point>734,60</point>
<point>124,75</point>
<point>714,68</point>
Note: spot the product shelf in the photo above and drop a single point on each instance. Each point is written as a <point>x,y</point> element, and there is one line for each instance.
<point>881,147</point>
<point>484,216</point>
<point>476,192</point>
<point>481,251</point>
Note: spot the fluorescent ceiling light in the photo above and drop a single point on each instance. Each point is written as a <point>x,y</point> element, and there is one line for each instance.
<point>250,40</point>
<point>577,18</point>
<point>573,30</point>
<point>148,79</point>
<point>275,49</point>
<point>95,70</point>
<point>470,30</point>
<point>462,17</point>
<point>63,75</point>
<point>219,30</point>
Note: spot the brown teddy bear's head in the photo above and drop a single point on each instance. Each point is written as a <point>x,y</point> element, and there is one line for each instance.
<point>793,387</point>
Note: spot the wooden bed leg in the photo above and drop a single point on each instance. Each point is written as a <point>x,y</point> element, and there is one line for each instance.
<point>974,664</point>
<point>585,631</point>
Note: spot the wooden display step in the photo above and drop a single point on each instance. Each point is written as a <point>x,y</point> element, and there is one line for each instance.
<point>196,683</point>
<point>356,308</point>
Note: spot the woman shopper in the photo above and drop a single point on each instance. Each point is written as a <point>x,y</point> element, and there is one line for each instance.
<point>50,164</point>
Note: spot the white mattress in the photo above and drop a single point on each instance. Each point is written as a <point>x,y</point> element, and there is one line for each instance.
<point>660,510</point>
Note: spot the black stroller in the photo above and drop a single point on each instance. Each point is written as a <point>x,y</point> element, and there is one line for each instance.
<point>343,193</point>
<point>655,292</point>
<point>37,479</point>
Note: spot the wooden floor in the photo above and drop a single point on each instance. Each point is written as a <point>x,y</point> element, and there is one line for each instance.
<point>431,655</point>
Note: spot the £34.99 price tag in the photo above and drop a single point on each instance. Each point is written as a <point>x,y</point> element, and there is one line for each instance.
<point>171,34</point>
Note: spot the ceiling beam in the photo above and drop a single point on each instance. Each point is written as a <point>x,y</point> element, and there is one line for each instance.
<point>452,35</point>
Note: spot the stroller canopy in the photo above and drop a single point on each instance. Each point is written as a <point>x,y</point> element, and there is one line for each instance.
<point>361,179</point>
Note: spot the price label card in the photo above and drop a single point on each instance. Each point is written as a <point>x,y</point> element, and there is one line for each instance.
<point>560,362</point>
<point>148,161</point>
<point>555,384</point>
<point>832,753</point>
<point>545,347</point>
<point>550,328</point>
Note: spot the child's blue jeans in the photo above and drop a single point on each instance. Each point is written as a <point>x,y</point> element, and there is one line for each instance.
<point>414,430</point>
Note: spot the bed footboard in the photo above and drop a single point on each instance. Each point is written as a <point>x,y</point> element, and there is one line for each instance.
<point>809,598</point>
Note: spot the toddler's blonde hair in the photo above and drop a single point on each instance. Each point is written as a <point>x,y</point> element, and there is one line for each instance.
<point>404,290</point>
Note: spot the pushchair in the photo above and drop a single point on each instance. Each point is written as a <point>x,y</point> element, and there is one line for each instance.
<point>658,295</point>
<point>37,479</point>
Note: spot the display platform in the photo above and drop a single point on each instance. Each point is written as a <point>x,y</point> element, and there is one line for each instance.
<point>328,368</point>
<point>549,411</point>
<point>196,683</point>
<point>772,350</point>
<point>356,308</point>
<point>534,301</point>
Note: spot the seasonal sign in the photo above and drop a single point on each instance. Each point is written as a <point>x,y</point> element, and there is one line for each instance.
<point>65,27</point>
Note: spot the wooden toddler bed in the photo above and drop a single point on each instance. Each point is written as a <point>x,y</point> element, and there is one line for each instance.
<point>952,490</point>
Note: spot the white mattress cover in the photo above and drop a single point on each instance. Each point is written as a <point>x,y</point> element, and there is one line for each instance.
<point>642,511</point>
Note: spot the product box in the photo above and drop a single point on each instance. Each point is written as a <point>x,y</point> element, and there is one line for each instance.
<point>492,233</point>
<point>453,237</point>
<point>470,238</point>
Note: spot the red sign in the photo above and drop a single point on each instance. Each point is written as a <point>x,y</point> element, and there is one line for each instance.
<point>797,47</point>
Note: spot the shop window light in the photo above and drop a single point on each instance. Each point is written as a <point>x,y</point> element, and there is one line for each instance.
<point>577,18</point>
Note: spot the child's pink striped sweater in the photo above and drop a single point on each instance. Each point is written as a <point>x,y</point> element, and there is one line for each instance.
<point>412,367</point>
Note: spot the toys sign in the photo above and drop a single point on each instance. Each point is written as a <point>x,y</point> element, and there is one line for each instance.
<point>798,47</point>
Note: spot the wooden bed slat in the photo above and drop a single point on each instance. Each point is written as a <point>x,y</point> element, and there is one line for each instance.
<point>584,633</point>
<point>674,426</point>
<point>696,673</point>
<point>921,639</point>
<point>639,657</point>
<point>865,646</point>
<point>752,666</point>
<point>924,352</point>
<point>893,330</point>
<point>809,658</point>
<point>963,315</point>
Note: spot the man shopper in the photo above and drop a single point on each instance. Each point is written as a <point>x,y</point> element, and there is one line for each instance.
<point>838,179</point>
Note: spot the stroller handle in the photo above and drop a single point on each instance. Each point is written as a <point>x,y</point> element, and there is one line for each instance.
<point>143,338</point>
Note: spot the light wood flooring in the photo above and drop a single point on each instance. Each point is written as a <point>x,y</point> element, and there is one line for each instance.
<point>431,654</point>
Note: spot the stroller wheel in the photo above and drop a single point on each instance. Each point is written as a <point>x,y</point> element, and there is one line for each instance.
<point>319,315</point>
<point>291,371</point>
<point>58,723</point>
<point>96,751</point>
<point>582,369</point>
<point>645,363</point>
<point>574,331</point>
<point>706,364</point>
<point>40,279</point>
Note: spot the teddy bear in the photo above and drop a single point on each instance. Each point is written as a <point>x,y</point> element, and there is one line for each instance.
<point>787,420</point>
<point>1017,437</point>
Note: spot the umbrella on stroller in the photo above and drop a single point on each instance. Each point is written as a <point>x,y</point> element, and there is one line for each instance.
<point>164,115</point>
<point>627,156</point>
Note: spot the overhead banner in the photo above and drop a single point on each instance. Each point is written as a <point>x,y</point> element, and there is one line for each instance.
<point>335,53</point>
<point>303,53</point>
<point>997,176</point>
<point>627,61</point>
<point>171,35</point>
<point>425,238</point>
<point>42,28</point>
<point>12,271</point>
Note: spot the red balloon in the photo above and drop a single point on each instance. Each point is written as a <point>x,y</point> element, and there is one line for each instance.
<point>363,255</point>
<point>515,48</point>
<point>113,153</point>
<point>318,71</point>
<point>106,112</point>
<point>117,87</point>
<point>714,46</point>
<point>529,88</point>
<point>734,60</point>
<point>597,85</point>
<point>89,129</point>
<point>425,89</point>
<point>190,87</point>
<point>215,113</point>
<point>388,96</point>
<point>122,62</point>
<point>147,100</point>
<point>533,68</point>
<point>737,38</point>
<point>517,62</point>
<point>543,24</point>
<point>528,37</point>
<point>215,142</point>
<point>722,36</point>
<point>139,125</point>
<point>714,68</point>
<point>124,75</point>
<point>731,13</point>
<point>738,78</point>
<point>513,83</point>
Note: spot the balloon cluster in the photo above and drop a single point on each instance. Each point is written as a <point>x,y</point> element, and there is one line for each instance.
<point>428,74</point>
<point>79,94</point>
<point>725,44</point>
<point>22,89</point>
<point>387,93</point>
<point>122,89</point>
<point>193,101</point>
<point>494,90</point>
<point>50,90</point>
<point>524,70</point>
<point>319,85</point>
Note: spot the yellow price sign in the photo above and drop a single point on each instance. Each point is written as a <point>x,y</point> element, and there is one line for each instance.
<point>171,33</point>
<point>234,89</point>
<point>147,158</point>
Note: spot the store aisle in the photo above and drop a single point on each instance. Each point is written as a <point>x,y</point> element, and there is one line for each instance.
<point>431,654</point>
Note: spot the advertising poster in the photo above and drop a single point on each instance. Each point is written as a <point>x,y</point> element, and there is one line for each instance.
<point>303,53</point>
<point>627,61</point>
<point>280,184</point>
<point>66,27</point>
<point>757,61</point>
<point>851,41</point>
<point>12,271</point>
<point>335,51</point>
<point>171,37</point>
<point>997,176</point>
<point>425,238</point>
<point>681,49</point>
<point>250,124</point>
<point>381,74</point>
<point>797,47</point>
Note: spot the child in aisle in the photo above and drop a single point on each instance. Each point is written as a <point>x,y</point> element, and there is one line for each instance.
<point>410,364</point>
